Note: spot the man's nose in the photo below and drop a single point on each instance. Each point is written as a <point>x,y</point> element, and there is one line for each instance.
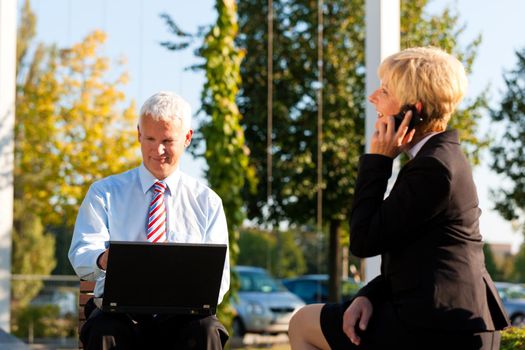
<point>161,148</point>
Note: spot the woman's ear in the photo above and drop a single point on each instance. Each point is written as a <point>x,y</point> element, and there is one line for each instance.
<point>419,106</point>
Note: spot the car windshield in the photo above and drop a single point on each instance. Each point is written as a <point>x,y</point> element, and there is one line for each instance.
<point>259,282</point>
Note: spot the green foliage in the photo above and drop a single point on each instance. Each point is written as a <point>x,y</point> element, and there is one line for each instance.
<point>33,253</point>
<point>33,247</point>
<point>226,153</point>
<point>42,322</point>
<point>26,32</point>
<point>295,110</point>
<point>294,137</point>
<point>518,270</point>
<point>289,257</point>
<point>278,252</point>
<point>490,264</point>
<point>507,150</point>
<point>256,248</point>
<point>513,338</point>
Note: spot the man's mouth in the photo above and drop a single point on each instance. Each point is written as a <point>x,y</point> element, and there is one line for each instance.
<point>161,160</point>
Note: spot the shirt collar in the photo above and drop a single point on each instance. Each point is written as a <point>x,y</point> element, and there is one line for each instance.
<point>147,179</point>
<point>413,151</point>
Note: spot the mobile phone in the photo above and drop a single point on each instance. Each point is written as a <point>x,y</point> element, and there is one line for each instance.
<point>416,117</point>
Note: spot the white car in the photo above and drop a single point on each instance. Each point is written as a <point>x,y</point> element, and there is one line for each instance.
<point>264,305</point>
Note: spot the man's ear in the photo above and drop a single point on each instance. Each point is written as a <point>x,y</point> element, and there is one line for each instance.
<point>138,132</point>
<point>187,141</point>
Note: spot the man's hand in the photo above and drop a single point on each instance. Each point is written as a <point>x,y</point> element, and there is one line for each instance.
<point>359,311</point>
<point>386,140</point>
<point>102,261</point>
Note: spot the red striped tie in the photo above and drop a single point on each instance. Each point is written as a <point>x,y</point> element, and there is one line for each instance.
<point>157,214</point>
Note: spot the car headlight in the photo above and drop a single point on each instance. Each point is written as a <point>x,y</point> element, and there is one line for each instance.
<point>255,308</point>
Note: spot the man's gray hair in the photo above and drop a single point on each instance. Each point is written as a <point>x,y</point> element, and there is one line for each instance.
<point>166,105</point>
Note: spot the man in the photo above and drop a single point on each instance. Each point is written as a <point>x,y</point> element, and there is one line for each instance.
<point>155,202</point>
<point>433,291</point>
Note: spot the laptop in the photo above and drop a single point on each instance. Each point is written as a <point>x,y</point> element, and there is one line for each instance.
<point>155,278</point>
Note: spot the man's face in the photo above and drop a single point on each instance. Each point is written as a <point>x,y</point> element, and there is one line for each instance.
<point>162,143</point>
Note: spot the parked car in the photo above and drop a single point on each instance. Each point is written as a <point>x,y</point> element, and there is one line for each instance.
<point>513,297</point>
<point>264,305</point>
<point>314,288</point>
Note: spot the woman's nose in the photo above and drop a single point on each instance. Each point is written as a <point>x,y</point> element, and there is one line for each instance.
<point>373,97</point>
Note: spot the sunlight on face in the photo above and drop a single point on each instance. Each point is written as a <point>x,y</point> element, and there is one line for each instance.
<point>162,143</point>
<point>384,101</point>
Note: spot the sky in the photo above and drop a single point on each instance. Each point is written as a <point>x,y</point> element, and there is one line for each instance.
<point>135,30</point>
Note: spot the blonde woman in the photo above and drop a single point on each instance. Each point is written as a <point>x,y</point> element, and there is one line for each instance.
<point>433,291</point>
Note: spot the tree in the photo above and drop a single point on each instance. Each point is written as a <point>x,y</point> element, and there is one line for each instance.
<point>490,264</point>
<point>33,247</point>
<point>72,128</point>
<point>225,151</point>
<point>518,270</point>
<point>256,248</point>
<point>507,150</point>
<point>278,252</point>
<point>295,111</point>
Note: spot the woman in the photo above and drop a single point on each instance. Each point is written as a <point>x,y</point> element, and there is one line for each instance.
<point>433,291</point>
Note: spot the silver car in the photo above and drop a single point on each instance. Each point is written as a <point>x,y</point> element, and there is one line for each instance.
<point>513,297</point>
<point>264,305</point>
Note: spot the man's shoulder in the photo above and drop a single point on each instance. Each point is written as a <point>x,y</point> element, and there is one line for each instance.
<point>197,187</point>
<point>116,181</point>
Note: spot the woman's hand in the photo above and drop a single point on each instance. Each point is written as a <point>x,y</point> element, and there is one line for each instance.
<point>360,310</point>
<point>389,142</point>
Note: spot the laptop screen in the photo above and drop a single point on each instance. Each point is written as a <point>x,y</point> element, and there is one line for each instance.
<point>179,278</point>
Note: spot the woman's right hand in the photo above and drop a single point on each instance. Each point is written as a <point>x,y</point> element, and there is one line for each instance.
<point>360,310</point>
<point>388,141</point>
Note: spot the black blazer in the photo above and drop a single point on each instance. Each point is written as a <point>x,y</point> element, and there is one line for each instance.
<point>427,232</point>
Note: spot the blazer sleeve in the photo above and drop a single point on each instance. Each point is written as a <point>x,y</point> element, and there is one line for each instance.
<point>420,193</point>
<point>375,290</point>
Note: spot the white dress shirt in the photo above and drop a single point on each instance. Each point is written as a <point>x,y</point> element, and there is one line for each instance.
<point>116,209</point>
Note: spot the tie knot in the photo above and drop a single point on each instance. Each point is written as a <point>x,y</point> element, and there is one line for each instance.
<point>159,186</point>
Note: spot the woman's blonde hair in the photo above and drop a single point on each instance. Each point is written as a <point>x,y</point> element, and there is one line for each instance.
<point>428,75</point>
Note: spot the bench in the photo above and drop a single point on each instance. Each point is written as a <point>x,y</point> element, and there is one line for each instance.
<point>86,293</point>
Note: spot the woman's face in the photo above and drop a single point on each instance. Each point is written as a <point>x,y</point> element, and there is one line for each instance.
<point>384,101</point>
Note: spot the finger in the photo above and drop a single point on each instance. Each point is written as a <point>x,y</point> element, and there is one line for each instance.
<point>390,125</point>
<point>378,122</point>
<point>408,137</point>
<point>352,335</point>
<point>365,318</point>
<point>381,126</point>
<point>403,128</point>
<point>349,327</point>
